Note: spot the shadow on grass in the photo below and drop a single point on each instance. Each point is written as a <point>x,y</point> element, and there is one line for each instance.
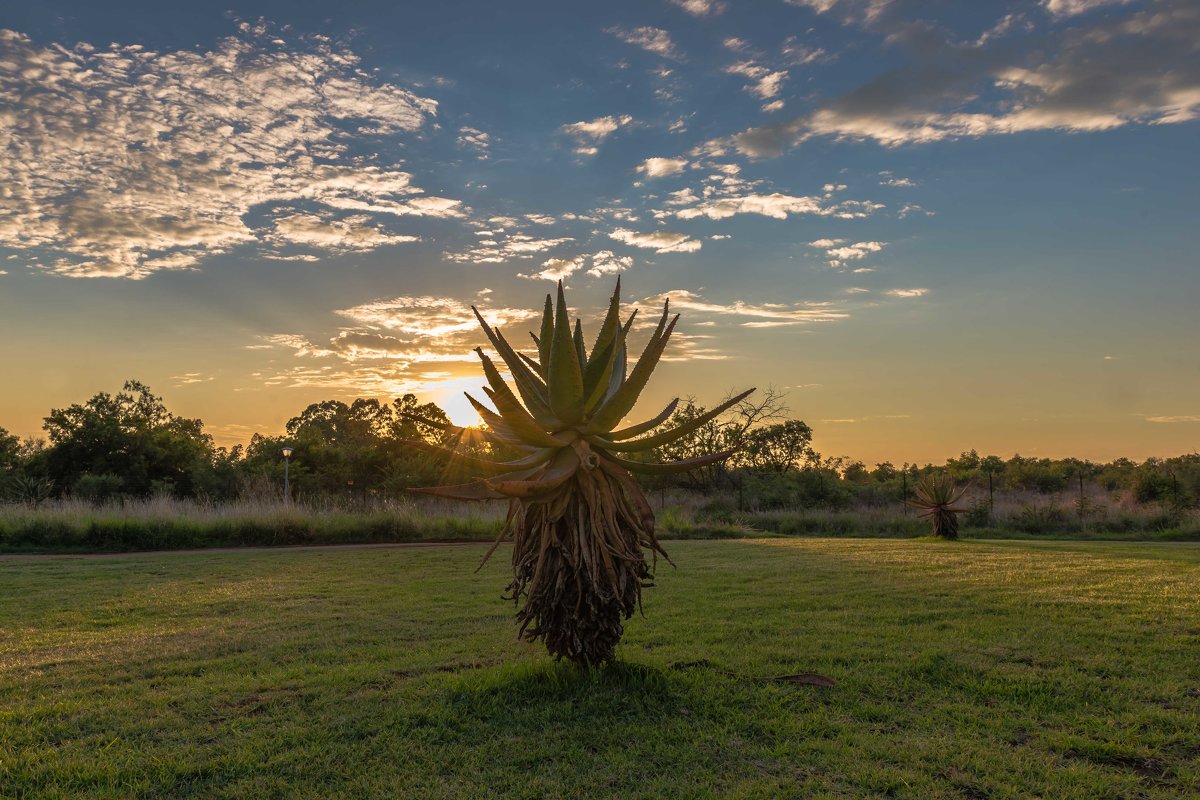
<point>621,685</point>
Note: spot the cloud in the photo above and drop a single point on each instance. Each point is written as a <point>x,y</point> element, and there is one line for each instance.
<point>839,252</point>
<point>557,269</point>
<point>862,12</point>
<point>766,315</point>
<point>474,139</point>
<point>500,245</point>
<point>701,8</point>
<point>1070,8</point>
<point>1174,419</point>
<point>588,135</point>
<point>891,180</point>
<point>606,262</point>
<point>431,317</point>
<point>123,161</point>
<point>653,40</point>
<point>391,346</point>
<point>907,292</point>
<point>777,206</point>
<point>662,167</point>
<point>764,83</point>
<point>350,234</point>
<point>1138,69</point>
<point>796,54</point>
<point>189,378</point>
<point>912,208</point>
<point>660,241</point>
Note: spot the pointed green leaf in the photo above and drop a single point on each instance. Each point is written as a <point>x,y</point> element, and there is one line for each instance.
<point>499,427</point>
<point>564,465</point>
<point>624,399</point>
<point>510,408</point>
<point>612,321</point>
<point>476,490</point>
<point>482,466</point>
<point>547,336</point>
<point>532,390</point>
<point>565,374</point>
<point>580,352</point>
<point>643,427</point>
<point>671,467</point>
<point>533,365</point>
<point>598,377</point>
<point>666,437</point>
<point>619,371</point>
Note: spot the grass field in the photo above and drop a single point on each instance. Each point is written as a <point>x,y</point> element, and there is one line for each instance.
<point>969,670</point>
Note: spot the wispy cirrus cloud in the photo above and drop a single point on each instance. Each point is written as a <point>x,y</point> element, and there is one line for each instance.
<point>123,161</point>
<point>761,315</point>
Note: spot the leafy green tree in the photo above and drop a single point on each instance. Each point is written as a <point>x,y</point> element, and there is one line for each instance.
<point>885,472</point>
<point>10,453</point>
<point>779,447</point>
<point>131,436</point>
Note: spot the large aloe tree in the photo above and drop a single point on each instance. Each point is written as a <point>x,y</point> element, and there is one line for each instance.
<point>580,524</point>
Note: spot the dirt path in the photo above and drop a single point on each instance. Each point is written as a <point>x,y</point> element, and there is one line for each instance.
<point>207,550</point>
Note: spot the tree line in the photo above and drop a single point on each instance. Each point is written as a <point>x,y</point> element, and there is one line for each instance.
<point>129,444</point>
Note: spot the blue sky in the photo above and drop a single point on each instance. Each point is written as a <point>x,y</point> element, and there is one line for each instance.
<point>935,225</point>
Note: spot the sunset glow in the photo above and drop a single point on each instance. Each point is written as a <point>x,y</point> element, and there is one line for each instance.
<point>935,227</point>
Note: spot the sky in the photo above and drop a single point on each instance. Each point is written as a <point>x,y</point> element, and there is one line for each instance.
<point>935,226</point>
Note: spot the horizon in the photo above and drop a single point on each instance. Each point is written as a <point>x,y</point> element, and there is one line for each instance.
<point>974,230</point>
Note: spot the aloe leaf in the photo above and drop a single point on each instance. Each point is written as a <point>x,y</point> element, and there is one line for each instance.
<point>566,378</point>
<point>671,467</point>
<point>532,390</point>
<point>511,409</point>
<point>643,427</point>
<point>674,434</point>
<point>482,466</point>
<point>463,491</point>
<point>612,321</point>
<point>564,465</point>
<point>580,353</point>
<point>547,336</point>
<point>623,400</point>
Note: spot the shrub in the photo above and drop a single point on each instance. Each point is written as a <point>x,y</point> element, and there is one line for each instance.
<point>1040,518</point>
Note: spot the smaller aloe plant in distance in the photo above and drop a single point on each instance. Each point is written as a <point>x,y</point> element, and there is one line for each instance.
<point>936,495</point>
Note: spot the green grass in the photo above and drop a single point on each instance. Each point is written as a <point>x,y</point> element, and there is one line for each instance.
<point>977,669</point>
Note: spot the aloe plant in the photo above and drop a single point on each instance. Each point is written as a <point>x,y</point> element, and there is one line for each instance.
<point>935,498</point>
<point>580,525</point>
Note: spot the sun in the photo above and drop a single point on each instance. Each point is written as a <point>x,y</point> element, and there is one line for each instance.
<point>458,408</point>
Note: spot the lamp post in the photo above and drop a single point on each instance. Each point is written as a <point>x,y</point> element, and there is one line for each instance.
<point>287,456</point>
